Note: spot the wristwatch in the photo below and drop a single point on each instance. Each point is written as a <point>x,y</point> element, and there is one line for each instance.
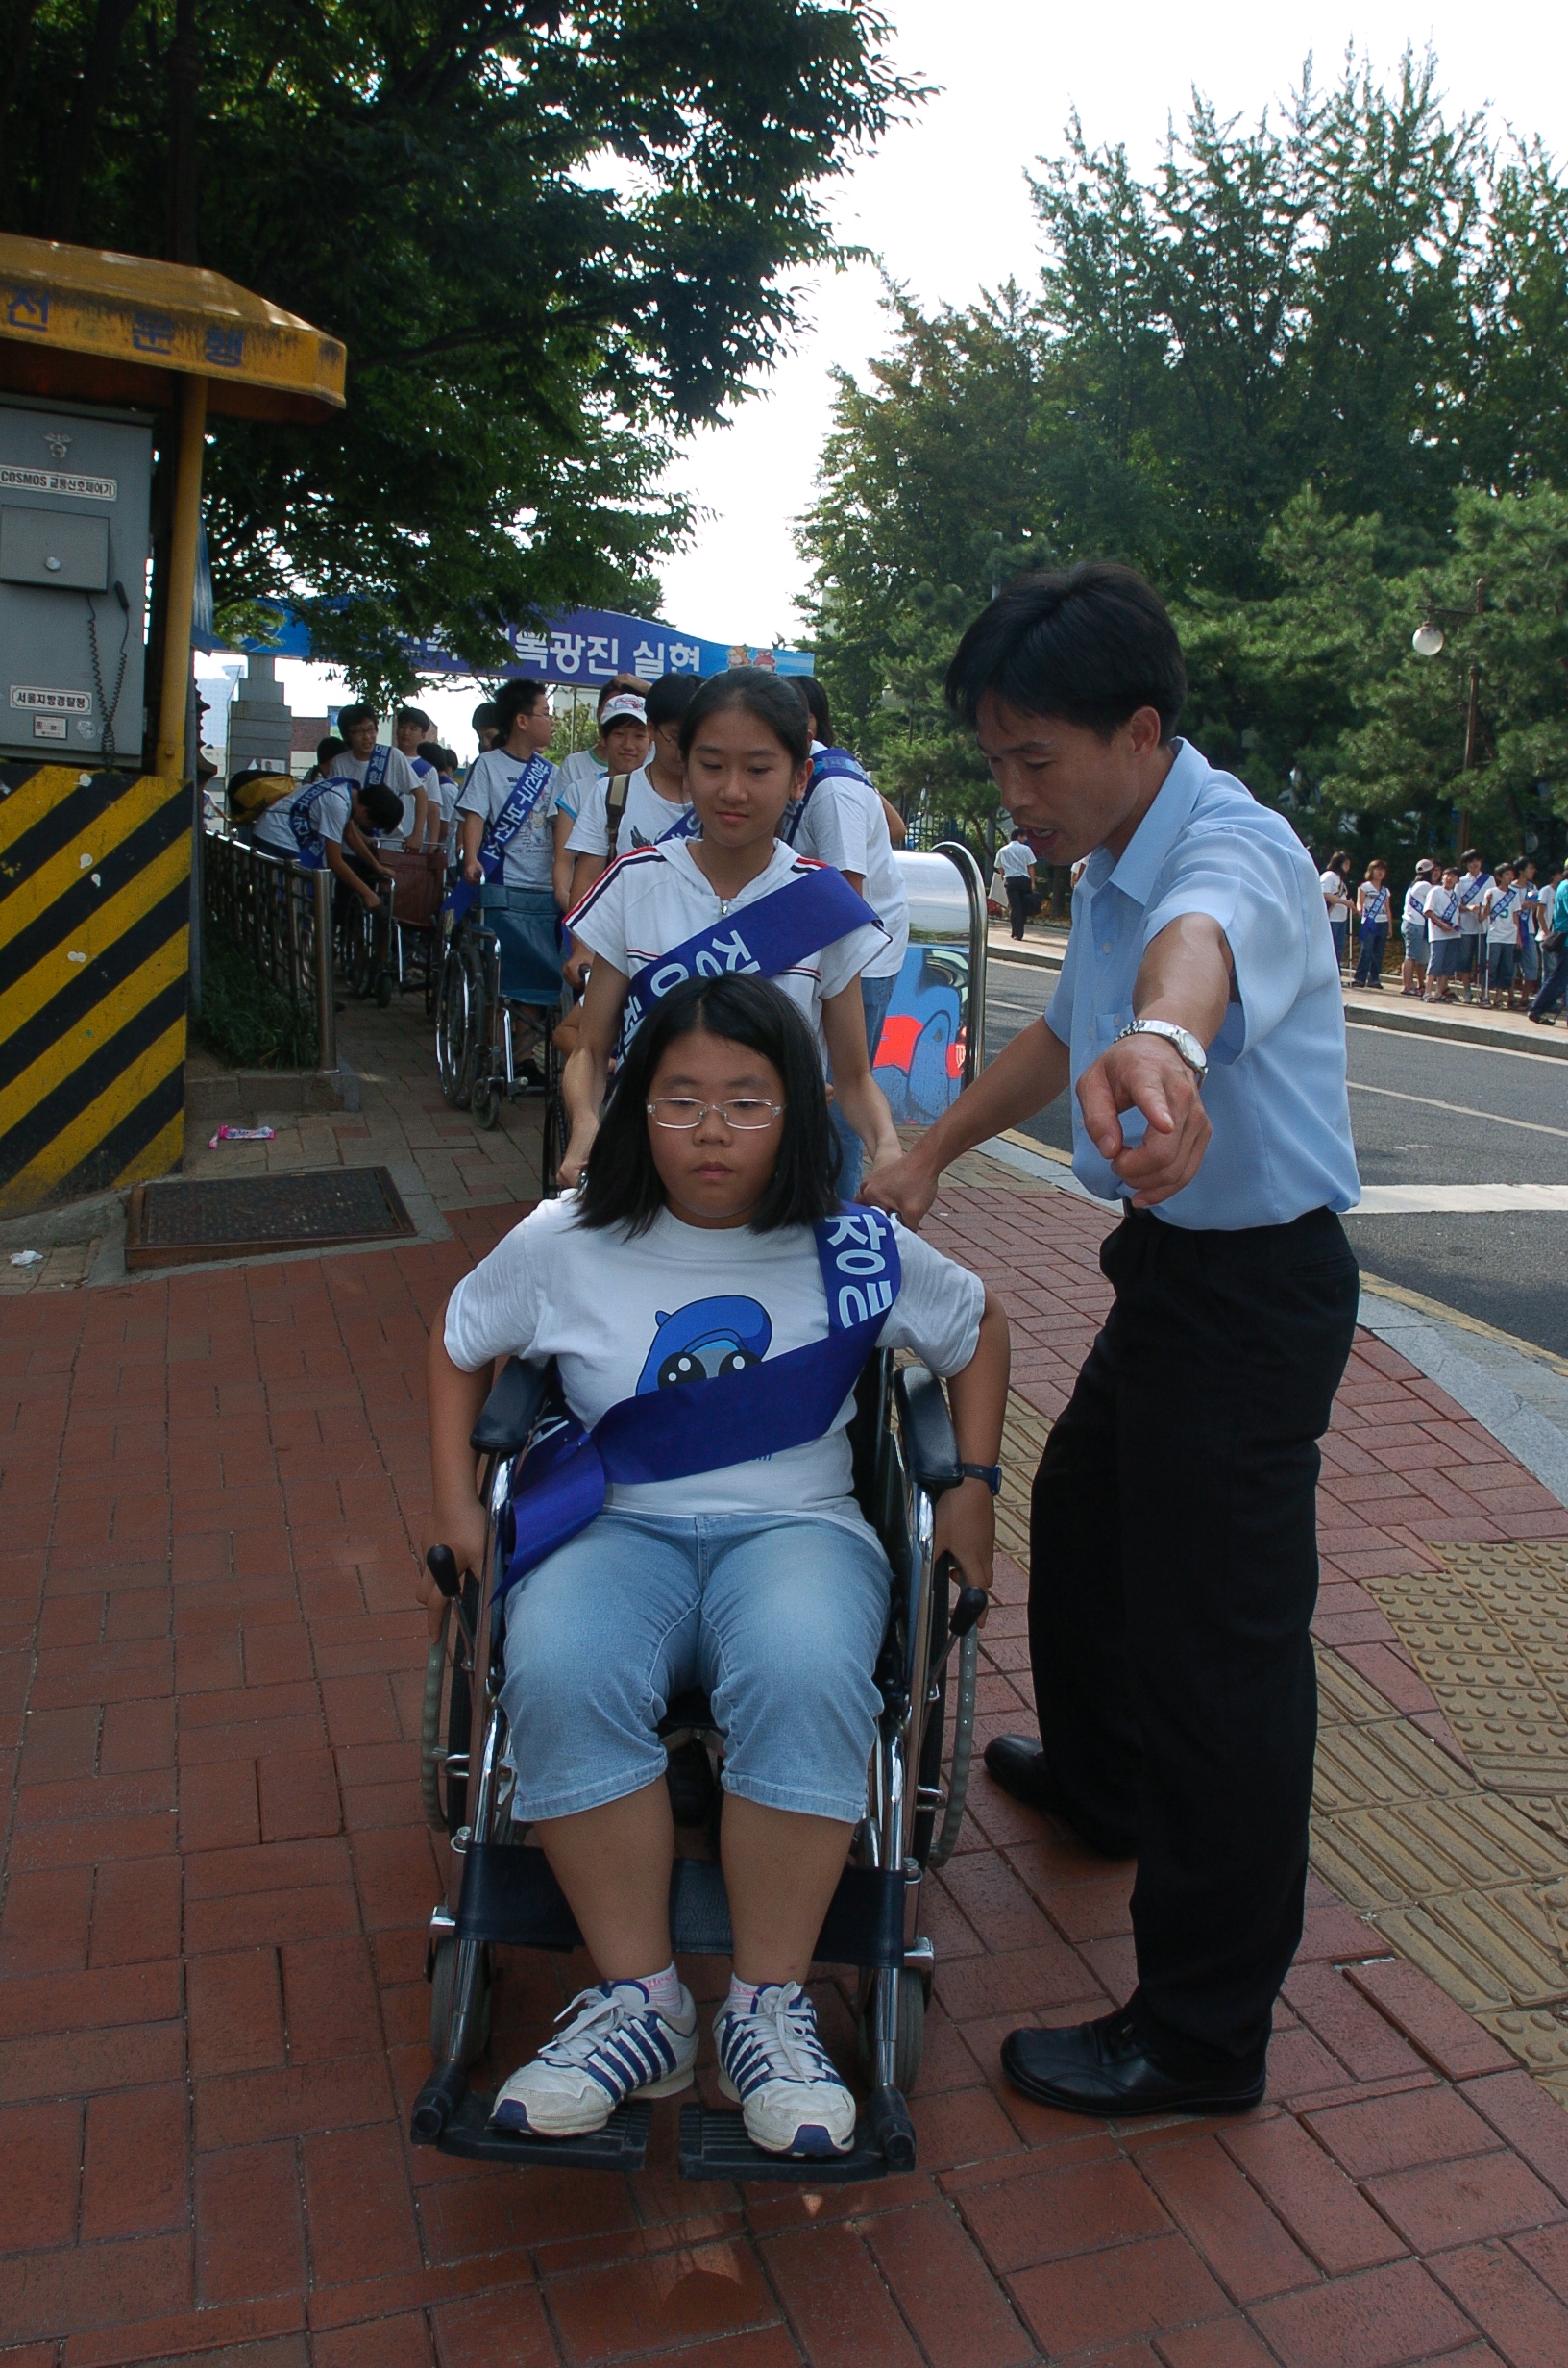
<point>1183,1038</point>
<point>990,1474</point>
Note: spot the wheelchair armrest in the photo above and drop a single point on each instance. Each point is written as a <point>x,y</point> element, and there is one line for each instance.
<point>930,1449</point>
<point>512,1408</point>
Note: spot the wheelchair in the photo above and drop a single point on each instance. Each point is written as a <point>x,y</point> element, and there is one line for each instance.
<point>500,964</point>
<point>366,952</point>
<point>503,1894</point>
<point>417,945</point>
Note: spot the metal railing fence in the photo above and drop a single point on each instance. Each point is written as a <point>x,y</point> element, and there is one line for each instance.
<point>282,915</point>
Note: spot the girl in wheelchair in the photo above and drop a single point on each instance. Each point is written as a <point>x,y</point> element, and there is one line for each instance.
<point>698,1248</point>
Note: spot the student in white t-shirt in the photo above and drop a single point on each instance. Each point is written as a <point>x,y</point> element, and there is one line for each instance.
<point>655,803</point>
<point>840,821</point>
<point>1443,937</point>
<point>689,1256</point>
<point>745,744</point>
<point>362,760</point>
<point>441,825</point>
<point>525,728</point>
<point>619,748</point>
<point>330,821</point>
<point>1501,914</point>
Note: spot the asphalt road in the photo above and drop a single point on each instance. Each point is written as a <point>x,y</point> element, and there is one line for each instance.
<point>1422,1114</point>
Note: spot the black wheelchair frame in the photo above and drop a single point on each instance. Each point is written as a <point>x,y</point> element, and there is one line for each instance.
<point>475,1045</point>
<point>503,1892</point>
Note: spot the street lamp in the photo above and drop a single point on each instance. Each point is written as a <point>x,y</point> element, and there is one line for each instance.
<point>1427,640</point>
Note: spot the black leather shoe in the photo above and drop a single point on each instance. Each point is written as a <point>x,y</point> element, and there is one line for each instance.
<point>1102,2069</point>
<point>1020,1769</point>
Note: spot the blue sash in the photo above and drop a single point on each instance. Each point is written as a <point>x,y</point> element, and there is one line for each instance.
<point>766,938</point>
<point>523,796</point>
<point>375,764</point>
<point>684,826</point>
<point>827,765</point>
<point>697,1426</point>
<point>300,819</point>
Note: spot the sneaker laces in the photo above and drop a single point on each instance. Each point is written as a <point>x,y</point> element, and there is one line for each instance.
<point>599,2014</point>
<point>791,2029</point>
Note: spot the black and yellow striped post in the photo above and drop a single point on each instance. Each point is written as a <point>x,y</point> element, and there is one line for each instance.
<point>94,921</point>
<point>95,867</point>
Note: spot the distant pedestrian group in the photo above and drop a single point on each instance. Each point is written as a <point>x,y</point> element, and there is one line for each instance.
<point>1467,932</point>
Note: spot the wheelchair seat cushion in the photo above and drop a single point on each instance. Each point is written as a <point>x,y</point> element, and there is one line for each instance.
<point>525,928</point>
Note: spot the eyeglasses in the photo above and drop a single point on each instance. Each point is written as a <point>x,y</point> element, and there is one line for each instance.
<point>743,1117</point>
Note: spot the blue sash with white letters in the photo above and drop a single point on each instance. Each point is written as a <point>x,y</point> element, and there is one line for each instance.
<point>695,1426</point>
<point>521,798</point>
<point>302,819</point>
<point>765,938</point>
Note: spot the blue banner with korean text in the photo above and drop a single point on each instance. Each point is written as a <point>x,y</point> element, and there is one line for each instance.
<point>584,649</point>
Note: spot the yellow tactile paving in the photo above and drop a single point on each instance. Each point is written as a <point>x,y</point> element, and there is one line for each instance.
<point>1466,1873</point>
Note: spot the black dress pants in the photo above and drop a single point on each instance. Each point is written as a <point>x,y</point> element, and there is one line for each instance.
<point>1174,1573</point>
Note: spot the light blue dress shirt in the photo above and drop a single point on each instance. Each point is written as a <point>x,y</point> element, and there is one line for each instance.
<point>1275,1093</point>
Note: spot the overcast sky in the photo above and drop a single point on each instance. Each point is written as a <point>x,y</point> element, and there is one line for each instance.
<point>944,202</point>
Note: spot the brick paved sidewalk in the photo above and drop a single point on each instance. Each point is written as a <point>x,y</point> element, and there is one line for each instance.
<point>213,2017</point>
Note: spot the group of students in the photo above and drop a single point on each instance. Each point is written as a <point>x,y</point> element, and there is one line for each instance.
<point>362,796</point>
<point>730,901</point>
<point>701,802</point>
<point>1466,930</point>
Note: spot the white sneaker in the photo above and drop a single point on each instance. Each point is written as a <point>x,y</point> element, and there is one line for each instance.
<point>773,2065</point>
<point>615,2045</point>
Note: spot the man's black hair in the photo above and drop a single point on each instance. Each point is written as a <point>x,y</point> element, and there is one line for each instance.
<point>483,717</point>
<point>1472,854</point>
<point>382,803</point>
<point>329,747</point>
<point>1090,644</point>
<point>435,754</point>
<point>775,700</point>
<point>349,717</point>
<point>412,715</point>
<point>622,1186</point>
<point>669,697</point>
<point>816,698</point>
<point>512,700</point>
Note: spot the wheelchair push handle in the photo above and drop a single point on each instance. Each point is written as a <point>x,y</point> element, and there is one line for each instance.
<point>442,1564</point>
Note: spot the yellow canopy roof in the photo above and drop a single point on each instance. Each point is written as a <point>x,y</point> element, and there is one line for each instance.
<point>77,322</point>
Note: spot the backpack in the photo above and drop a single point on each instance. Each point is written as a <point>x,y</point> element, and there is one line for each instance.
<point>615,805</point>
<point>249,797</point>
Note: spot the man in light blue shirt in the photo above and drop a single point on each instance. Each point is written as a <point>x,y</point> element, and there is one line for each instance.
<point>1200,1024</point>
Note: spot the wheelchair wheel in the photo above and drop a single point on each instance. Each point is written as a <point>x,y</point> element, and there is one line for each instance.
<point>434,971</point>
<point>444,1728</point>
<point>385,988</point>
<point>553,1146</point>
<point>911,2046</point>
<point>441,1980</point>
<point>459,1021</point>
<point>484,1101</point>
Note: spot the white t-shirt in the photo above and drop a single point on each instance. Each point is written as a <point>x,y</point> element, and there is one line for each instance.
<point>1016,859</point>
<point>842,823</point>
<point>1503,917</point>
<point>574,776</point>
<point>328,820</point>
<point>1472,895</point>
<point>1414,915</point>
<point>644,818</point>
<point>624,1317</point>
<point>1443,910</point>
<point>656,898</point>
<point>1336,895</point>
<point>399,776</point>
<point>530,853</point>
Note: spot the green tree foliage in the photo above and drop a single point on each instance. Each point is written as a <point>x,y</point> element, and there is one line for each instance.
<point>1307,376</point>
<point>550,241</point>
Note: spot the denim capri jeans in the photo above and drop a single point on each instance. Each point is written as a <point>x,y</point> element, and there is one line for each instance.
<point>778,1616</point>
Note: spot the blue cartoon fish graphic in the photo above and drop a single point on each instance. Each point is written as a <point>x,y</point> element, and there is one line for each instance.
<point>704,1339</point>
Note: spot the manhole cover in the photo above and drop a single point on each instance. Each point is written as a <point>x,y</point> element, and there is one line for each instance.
<point>178,1222</point>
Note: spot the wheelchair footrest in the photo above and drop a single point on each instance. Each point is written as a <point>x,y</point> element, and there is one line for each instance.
<point>714,2145</point>
<point>622,2145</point>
